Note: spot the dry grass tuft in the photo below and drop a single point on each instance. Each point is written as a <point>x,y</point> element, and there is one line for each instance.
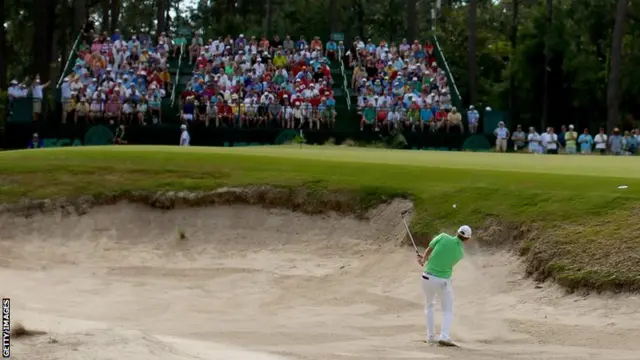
<point>18,330</point>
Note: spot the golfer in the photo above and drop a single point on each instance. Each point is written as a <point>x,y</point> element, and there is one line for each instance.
<point>443,253</point>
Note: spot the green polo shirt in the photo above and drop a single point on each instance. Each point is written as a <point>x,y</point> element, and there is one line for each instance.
<point>447,252</point>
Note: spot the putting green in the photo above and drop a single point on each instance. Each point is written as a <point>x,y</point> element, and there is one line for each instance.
<point>585,226</point>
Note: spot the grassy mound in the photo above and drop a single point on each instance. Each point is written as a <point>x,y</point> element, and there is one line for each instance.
<point>564,213</point>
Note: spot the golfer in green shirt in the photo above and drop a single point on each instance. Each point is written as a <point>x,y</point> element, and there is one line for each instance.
<point>443,253</point>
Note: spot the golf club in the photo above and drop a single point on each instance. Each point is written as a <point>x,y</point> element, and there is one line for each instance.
<point>409,232</point>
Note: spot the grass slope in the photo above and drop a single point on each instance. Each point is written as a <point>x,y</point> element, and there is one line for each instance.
<point>585,227</point>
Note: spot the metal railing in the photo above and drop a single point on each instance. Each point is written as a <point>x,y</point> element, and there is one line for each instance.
<point>344,80</point>
<point>456,93</point>
<point>177,80</point>
<point>66,66</point>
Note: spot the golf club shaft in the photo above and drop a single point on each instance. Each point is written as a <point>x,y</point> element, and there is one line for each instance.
<point>410,236</point>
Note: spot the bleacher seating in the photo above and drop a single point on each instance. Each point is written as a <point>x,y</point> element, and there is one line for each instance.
<point>401,86</point>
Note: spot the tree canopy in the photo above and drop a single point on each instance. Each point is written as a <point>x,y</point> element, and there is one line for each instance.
<point>547,62</point>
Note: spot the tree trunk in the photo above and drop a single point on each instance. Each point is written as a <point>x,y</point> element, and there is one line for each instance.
<point>266,25</point>
<point>547,62</point>
<point>513,38</point>
<point>360,15</point>
<point>44,28</point>
<point>79,16</point>
<point>3,50</point>
<point>473,66</point>
<point>333,12</point>
<point>115,15</point>
<point>160,17</point>
<point>105,15</point>
<point>613,86</point>
<point>412,16</point>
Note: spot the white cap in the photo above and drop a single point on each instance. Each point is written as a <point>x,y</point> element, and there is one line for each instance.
<point>570,126</point>
<point>464,231</point>
<point>184,127</point>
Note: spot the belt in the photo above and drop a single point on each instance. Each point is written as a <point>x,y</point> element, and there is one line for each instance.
<point>424,275</point>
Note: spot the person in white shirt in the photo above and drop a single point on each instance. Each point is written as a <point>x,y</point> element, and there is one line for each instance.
<point>65,96</point>
<point>502,134</point>
<point>37,92</point>
<point>185,139</point>
<point>534,141</point>
<point>601,142</point>
<point>393,117</point>
<point>550,141</point>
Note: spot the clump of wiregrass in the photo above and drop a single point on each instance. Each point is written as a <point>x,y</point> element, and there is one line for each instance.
<point>182,236</point>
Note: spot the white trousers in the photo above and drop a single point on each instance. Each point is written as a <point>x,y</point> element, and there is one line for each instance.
<point>444,290</point>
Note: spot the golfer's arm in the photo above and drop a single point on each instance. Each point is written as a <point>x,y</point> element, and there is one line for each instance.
<point>427,254</point>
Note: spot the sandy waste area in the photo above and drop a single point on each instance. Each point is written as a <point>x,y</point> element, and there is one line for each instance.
<point>267,284</point>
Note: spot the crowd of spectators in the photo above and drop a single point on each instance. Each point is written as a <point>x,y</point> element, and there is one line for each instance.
<point>401,86</point>
<point>28,88</point>
<point>568,141</point>
<point>250,83</point>
<point>117,79</point>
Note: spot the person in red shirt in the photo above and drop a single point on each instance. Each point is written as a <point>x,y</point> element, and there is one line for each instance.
<point>316,44</point>
<point>155,77</point>
<point>383,110</point>
<point>439,120</point>
<point>264,43</point>
<point>225,114</point>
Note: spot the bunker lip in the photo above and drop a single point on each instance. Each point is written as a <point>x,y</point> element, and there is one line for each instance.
<point>301,199</point>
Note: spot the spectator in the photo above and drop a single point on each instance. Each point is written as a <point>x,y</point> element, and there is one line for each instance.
<point>550,141</point>
<point>472,119</point>
<point>406,77</point>
<point>185,139</point>
<point>502,134</point>
<point>615,142</point>
<point>629,144</point>
<point>115,75</point>
<point>561,136</point>
<point>331,50</point>
<point>570,138</point>
<point>535,141</point>
<point>251,75</point>
<point>82,111</point>
<point>518,137</point>
<point>120,137</point>
<point>35,142</point>
<point>37,92</point>
<point>586,142</point>
<point>601,142</point>
<point>454,119</point>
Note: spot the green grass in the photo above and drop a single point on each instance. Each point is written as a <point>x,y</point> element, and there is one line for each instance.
<point>582,229</point>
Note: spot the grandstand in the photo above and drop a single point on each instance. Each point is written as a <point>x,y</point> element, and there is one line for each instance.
<point>170,70</point>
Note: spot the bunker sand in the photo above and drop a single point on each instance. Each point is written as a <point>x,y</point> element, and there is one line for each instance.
<point>254,283</point>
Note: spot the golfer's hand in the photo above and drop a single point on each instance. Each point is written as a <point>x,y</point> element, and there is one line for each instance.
<point>420,259</point>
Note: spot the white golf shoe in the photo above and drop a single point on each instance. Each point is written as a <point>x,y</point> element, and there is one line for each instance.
<point>446,342</point>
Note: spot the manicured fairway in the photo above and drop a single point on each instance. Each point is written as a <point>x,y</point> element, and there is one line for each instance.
<point>573,199</point>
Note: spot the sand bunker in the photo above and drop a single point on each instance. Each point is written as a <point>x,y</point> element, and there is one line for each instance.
<point>253,283</point>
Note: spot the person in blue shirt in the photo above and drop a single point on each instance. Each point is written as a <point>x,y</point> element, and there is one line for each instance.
<point>35,142</point>
<point>586,142</point>
<point>371,47</point>
<point>300,44</point>
<point>116,35</point>
<point>426,115</point>
<point>331,50</point>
